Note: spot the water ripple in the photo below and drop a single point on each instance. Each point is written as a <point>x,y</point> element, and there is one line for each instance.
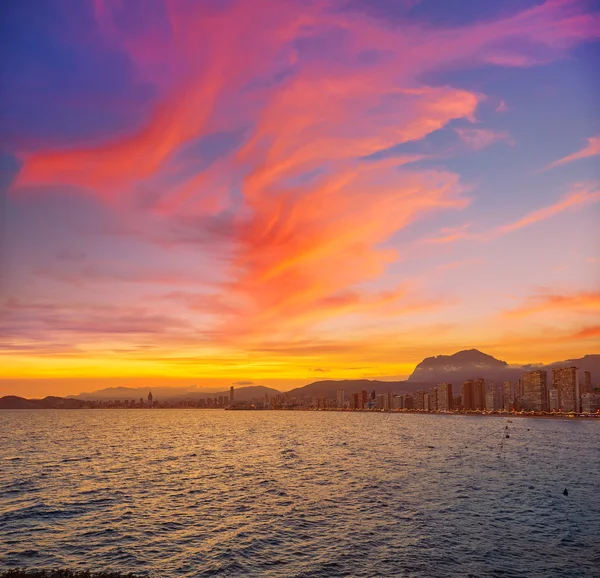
<point>212,493</point>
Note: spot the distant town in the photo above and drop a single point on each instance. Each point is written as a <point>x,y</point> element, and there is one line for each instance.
<point>561,393</point>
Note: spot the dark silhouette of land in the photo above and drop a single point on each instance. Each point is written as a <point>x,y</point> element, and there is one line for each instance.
<point>50,402</point>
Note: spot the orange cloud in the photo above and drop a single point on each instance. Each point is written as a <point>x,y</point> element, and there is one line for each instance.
<point>587,332</point>
<point>577,303</point>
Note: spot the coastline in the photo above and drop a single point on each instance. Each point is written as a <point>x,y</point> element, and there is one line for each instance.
<point>563,416</point>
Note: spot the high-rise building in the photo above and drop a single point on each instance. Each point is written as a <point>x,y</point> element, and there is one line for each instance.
<point>364,398</point>
<point>409,402</point>
<point>473,394</point>
<point>535,391</point>
<point>419,399</point>
<point>426,402</point>
<point>457,401</point>
<point>467,395</point>
<point>479,393</point>
<point>565,380</point>
<point>590,402</point>
<point>340,398</point>
<point>231,395</point>
<point>444,396</point>
<point>150,399</point>
<point>493,399</point>
<point>520,389</point>
<point>553,400</point>
<point>587,383</point>
<point>508,396</point>
<point>433,399</point>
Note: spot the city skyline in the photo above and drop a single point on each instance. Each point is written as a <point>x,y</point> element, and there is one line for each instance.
<point>251,191</point>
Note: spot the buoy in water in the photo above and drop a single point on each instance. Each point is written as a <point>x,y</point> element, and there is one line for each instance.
<point>565,492</point>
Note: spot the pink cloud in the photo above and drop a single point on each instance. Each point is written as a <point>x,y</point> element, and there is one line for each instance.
<point>502,107</point>
<point>450,235</point>
<point>477,138</point>
<point>581,196</point>
<point>302,213</point>
<point>592,149</point>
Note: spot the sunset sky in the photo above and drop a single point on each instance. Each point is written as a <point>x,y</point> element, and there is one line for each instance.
<point>278,191</point>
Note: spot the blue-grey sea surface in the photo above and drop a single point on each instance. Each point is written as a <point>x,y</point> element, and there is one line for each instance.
<point>288,493</point>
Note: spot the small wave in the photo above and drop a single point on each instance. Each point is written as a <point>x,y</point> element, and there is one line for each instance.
<point>76,459</point>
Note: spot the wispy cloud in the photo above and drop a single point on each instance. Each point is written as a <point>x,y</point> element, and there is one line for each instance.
<point>479,138</point>
<point>585,302</point>
<point>591,332</point>
<point>579,197</point>
<point>591,149</point>
<point>502,106</point>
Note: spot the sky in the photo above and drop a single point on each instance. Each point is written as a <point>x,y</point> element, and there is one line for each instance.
<point>212,192</point>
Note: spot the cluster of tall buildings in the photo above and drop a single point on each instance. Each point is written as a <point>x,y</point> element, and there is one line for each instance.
<point>564,393</point>
<point>535,392</point>
<point>217,402</point>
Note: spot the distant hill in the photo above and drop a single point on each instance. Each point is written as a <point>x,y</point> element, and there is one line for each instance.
<point>328,388</point>
<point>122,393</point>
<point>173,393</point>
<point>50,402</point>
<point>589,363</point>
<point>247,393</point>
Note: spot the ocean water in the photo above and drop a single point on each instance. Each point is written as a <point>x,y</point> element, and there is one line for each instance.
<point>276,493</point>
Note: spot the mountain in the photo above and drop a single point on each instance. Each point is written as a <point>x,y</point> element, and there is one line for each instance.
<point>328,388</point>
<point>173,393</point>
<point>472,363</point>
<point>461,366</point>
<point>589,363</point>
<point>50,402</point>
<point>241,393</point>
<point>122,393</point>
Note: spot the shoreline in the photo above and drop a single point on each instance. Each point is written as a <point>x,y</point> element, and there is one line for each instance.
<point>508,416</point>
<point>419,412</point>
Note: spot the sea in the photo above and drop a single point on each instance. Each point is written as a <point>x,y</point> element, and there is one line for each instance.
<point>165,492</point>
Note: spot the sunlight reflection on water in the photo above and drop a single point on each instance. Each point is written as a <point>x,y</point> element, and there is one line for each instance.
<point>201,492</point>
